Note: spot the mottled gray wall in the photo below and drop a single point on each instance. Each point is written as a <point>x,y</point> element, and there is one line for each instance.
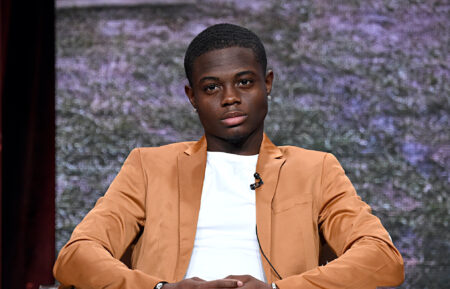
<point>365,80</point>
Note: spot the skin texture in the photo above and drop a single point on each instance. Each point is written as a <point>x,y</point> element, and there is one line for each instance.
<point>231,281</point>
<point>199,283</point>
<point>229,91</point>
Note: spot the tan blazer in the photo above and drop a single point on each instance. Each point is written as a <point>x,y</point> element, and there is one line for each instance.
<point>154,203</point>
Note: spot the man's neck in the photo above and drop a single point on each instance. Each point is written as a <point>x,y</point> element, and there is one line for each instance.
<point>246,146</point>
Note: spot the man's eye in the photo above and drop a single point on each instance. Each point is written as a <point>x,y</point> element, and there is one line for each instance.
<point>245,82</point>
<point>210,88</point>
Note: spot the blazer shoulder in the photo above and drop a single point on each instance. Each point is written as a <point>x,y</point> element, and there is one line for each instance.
<point>304,160</point>
<point>295,153</point>
<point>167,151</point>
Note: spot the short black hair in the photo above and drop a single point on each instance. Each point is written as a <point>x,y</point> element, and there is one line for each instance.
<point>221,36</point>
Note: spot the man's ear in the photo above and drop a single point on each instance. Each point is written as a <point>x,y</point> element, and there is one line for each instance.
<point>269,81</point>
<point>190,94</point>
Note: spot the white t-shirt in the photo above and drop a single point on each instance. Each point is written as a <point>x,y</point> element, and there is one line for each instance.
<point>225,242</point>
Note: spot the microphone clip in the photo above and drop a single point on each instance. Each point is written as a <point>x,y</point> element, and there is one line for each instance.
<point>258,183</point>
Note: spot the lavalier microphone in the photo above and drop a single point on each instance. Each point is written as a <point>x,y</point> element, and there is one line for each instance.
<point>259,182</point>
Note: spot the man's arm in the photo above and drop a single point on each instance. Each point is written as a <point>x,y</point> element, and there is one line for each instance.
<point>91,257</point>
<point>366,255</point>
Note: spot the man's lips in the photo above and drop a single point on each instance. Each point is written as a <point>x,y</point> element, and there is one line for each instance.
<point>233,118</point>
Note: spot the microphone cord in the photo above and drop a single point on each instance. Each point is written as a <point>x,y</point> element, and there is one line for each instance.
<point>262,252</point>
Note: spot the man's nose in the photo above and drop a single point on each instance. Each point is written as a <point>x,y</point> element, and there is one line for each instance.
<point>230,96</point>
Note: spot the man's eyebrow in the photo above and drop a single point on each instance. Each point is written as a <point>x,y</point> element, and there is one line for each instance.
<point>217,79</point>
<point>208,78</point>
<point>245,72</point>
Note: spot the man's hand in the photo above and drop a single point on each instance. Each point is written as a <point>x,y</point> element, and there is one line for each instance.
<point>250,282</point>
<point>198,283</point>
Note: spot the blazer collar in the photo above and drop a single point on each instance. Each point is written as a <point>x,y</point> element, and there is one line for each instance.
<point>191,172</point>
<point>197,149</point>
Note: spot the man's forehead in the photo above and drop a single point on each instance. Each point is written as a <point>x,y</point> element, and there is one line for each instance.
<point>228,59</point>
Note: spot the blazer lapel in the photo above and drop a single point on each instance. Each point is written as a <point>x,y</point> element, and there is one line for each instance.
<point>269,164</point>
<point>191,172</point>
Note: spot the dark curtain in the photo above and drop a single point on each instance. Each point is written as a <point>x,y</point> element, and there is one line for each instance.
<point>27,84</point>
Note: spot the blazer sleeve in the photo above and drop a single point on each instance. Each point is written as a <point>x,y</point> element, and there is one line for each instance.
<point>90,259</point>
<point>367,257</point>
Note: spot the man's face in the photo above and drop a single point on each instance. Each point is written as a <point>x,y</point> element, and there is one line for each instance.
<point>229,91</point>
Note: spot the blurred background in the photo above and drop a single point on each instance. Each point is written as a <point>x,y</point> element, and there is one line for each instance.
<point>365,80</point>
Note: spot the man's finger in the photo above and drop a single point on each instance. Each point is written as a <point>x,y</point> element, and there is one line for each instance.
<point>243,278</point>
<point>223,283</point>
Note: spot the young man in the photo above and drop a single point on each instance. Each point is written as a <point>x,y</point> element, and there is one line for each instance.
<point>196,222</point>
